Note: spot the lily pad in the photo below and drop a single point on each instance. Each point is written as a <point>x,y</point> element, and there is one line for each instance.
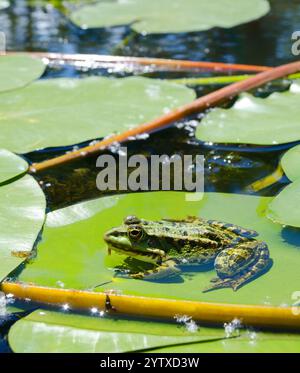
<point>58,332</point>
<point>80,211</point>
<point>22,214</point>
<point>248,342</point>
<point>11,165</point>
<point>19,71</point>
<point>251,120</point>
<point>60,112</point>
<point>86,263</point>
<point>173,15</point>
<point>283,208</point>
<point>290,163</point>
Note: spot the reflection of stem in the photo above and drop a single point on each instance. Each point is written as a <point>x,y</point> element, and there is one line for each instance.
<point>267,181</point>
<point>197,106</point>
<point>216,313</point>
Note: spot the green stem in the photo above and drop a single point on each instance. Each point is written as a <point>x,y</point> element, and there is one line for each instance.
<point>218,79</point>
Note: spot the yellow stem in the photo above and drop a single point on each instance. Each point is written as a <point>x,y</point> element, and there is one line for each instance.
<point>216,313</point>
<point>268,180</point>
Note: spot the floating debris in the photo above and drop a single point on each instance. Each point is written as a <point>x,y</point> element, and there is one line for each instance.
<point>60,284</point>
<point>232,328</point>
<point>252,336</point>
<point>191,326</point>
<point>188,322</point>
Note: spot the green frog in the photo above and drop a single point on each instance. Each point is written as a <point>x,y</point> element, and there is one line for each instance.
<point>170,244</point>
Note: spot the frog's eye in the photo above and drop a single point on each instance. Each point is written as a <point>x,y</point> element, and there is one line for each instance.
<point>135,233</point>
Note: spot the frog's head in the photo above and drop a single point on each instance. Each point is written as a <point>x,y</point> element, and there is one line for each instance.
<point>133,239</point>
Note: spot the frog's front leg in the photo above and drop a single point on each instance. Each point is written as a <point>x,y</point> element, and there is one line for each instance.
<point>165,269</point>
<point>236,266</point>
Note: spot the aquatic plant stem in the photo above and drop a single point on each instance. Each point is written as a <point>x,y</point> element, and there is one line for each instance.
<point>267,181</point>
<point>197,106</point>
<point>159,63</point>
<point>210,80</point>
<point>215,313</point>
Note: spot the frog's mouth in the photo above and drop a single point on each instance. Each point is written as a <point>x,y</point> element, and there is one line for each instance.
<point>123,246</point>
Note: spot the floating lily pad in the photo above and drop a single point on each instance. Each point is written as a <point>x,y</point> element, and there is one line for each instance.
<point>58,112</point>
<point>248,342</point>
<point>164,16</point>
<point>18,71</point>
<point>283,209</point>
<point>290,163</point>
<point>11,165</point>
<point>251,120</point>
<point>80,211</point>
<point>58,332</point>
<point>86,263</point>
<point>22,213</point>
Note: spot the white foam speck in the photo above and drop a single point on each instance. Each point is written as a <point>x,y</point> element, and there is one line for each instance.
<point>295,88</point>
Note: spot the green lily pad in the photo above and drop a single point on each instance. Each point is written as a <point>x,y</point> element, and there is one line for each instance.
<point>86,263</point>
<point>283,208</point>
<point>80,211</point>
<point>58,332</point>
<point>19,71</point>
<point>22,214</point>
<point>58,112</point>
<point>164,16</point>
<point>251,120</point>
<point>11,165</point>
<point>290,163</point>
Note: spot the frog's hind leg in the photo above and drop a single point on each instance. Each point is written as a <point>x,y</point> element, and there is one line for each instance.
<point>249,233</point>
<point>236,266</point>
<point>166,269</point>
<point>258,267</point>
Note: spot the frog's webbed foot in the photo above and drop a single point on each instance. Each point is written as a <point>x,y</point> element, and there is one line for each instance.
<point>166,269</point>
<point>218,283</point>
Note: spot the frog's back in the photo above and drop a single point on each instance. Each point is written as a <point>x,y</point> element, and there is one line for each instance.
<point>185,229</point>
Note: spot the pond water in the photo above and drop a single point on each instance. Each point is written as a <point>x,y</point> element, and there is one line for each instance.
<point>39,26</point>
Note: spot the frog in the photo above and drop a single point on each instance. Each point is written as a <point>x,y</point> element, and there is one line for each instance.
<point>171,244</point>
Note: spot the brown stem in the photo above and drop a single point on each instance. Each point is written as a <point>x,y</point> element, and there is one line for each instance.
<point>201,104</point>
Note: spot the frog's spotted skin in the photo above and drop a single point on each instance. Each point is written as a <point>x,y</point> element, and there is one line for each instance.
<point>169,244</point>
